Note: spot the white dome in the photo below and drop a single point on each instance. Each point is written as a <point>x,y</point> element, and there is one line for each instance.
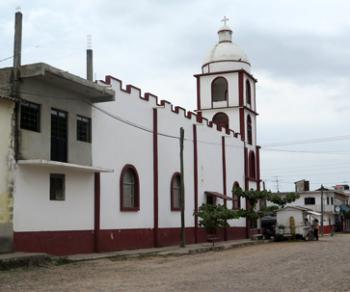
<point>226,51</point>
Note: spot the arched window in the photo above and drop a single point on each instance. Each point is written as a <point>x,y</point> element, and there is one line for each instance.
<point>175,192</point>
<point>219,89</point>
<point>236,199</point>
<point>129,189</point>
<point>252,165</point>
<point>248,92</point>
<point>249,130</point>
<point>221,119</point>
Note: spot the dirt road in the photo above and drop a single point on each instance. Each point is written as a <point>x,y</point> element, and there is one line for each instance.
<point>297,266</point>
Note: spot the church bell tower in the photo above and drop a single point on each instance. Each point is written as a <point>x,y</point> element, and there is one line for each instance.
<point>226,96</point>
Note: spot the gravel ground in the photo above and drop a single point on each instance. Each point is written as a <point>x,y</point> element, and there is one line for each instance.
<point>289,266</point>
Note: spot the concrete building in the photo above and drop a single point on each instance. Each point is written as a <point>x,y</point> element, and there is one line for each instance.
<point>64,131</point>
<point>332,200</point>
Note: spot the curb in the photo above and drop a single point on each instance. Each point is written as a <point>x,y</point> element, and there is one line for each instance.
<point>32,260</point>
<point>21,261</point>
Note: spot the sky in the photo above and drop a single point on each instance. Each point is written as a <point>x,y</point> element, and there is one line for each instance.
<point>299,52</point>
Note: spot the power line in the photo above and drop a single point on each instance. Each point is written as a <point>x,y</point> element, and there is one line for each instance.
<point>309,141</point>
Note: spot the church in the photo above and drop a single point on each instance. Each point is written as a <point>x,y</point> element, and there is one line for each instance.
<point>94,166</point>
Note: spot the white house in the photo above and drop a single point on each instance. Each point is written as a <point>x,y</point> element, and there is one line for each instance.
<point>96,165</point>
<point>312,200</point>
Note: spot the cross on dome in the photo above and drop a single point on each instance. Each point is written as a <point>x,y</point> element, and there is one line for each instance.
<point>224,20</point>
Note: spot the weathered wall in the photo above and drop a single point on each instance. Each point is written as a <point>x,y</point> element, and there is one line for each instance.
<point>6,185</point>
<point>34,145</point>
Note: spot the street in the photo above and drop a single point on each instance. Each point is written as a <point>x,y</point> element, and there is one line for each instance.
<point>288,266</point>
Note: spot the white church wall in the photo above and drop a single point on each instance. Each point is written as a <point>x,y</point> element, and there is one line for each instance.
<point>34,211</point>
<point>169,163</point>
<point>209,162</point>
<point>234,166</point>
<point>117,144</point>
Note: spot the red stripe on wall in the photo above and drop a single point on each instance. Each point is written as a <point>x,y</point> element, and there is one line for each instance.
<point>195,176</point>
<point>258,166</point>
<point>198,93</point>
<point>242,123</point>
<point>223,147</point>
<point>155,177</point>
<point>75,241</point>
<point>97,211</point>
<point>240,88</point>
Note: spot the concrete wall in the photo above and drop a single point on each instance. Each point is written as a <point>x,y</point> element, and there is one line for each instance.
<point>34,211</point>
<point>6,164</point>
<point>34,145</point>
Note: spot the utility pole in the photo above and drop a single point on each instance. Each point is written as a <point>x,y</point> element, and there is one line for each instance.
<point>182,188</point>
<point>277,185</point>
<point>322,189</point>
<point>17,54</point>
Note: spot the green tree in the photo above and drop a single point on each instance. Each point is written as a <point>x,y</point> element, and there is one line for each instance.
<point>213,217</point>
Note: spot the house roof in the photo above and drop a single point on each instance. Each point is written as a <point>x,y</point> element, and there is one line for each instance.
<point>62,165</point>
<point>218,195</point>
<point>299,208</point>
<point>90,90</point>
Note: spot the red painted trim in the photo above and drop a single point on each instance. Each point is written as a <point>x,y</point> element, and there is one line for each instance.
<point>226,93</point>
<point>240,89</point>
<point>242,123</point>
<point>198,93</point>
<point>195,175</point>
<point>174,176</point>
<point>225,72</point>
<point>224,187</point>
<point>55,242</point>
<point>246,186</point>
<point>155,177</point>
<point>97,211</point>
<point>258,165</point>
<point>82,241</point>
<point>137,189</point>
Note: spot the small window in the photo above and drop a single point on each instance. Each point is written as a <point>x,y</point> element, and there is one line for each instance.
<point>175,192</point>
<point>236,199</point>
<point>30,116</point>
<point>249,130</point>
<point>57,187</point>
<point>83,129</point>
<point>309,201</point>
<point>252,172</point>
<point>332,201</point>
<point>327,200</point>
<point>219,89</point>
<point>129,189</point>
<point>248,92</point>
<point>221,119</point>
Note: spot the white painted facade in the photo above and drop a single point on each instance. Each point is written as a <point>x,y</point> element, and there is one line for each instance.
<point>36,212</point>
<point>138,130</point>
